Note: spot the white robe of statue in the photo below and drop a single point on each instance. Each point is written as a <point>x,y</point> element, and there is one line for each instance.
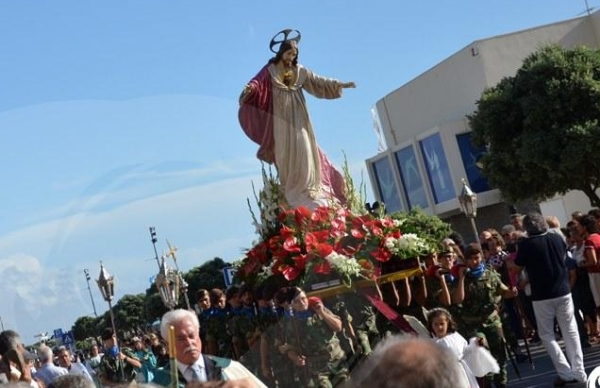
<point>296,152</point>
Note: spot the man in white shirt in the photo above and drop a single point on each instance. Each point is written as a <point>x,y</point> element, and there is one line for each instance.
<point>74,368</point>
<point>48,371</point>
<point>192,365</point>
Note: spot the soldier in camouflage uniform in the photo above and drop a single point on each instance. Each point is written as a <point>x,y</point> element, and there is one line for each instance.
<point>245,331</point>
<point>436,293</point>
<point>313,345</point>
<point>203,301</point>
<point>357,313</point>
<point>276,369</point>
<point>480,291</point>
<point>117,366</point>
<point>234,305</point>
<point>217,337</point>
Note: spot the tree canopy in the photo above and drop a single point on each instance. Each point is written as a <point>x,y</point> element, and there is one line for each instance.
<point>540,126</point>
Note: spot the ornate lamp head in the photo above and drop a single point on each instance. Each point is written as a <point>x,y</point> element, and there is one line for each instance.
<point>468,201</point>
<point>106,284</point>
<point>167,283</point>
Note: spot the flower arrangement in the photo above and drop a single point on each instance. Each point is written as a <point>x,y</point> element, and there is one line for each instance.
<point>297,246</point>
<point>327,241</point>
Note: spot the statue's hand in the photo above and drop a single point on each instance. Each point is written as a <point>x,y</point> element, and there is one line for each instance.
<point>349,85</point>
<point>248,88</point>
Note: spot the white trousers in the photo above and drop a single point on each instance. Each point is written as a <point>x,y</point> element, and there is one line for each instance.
<point>562,309</point>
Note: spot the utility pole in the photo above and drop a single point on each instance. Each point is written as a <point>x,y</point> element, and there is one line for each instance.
<point>87,278</point>
<point>1,323</point>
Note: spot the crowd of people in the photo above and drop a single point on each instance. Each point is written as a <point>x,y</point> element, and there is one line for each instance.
<point>529,282</point>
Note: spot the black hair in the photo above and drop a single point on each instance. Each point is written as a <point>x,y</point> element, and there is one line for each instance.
<point>285,46</point>
<point>438,312</point>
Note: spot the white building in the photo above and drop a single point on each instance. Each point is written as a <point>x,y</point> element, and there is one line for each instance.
<point>427,136</point>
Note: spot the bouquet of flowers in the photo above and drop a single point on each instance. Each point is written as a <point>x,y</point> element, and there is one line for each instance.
<point>328,240</point>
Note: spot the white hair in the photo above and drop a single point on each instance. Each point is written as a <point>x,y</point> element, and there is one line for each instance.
<point>45,353</point>
<point>174,316</point>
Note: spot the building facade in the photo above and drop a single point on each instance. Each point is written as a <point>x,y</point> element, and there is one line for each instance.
<point>427,137</point>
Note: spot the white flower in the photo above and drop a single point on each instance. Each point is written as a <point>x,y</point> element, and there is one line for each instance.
<point>390,243</point>
<point>346,266</point>
<point>408,245</point>
<point>265,272</point>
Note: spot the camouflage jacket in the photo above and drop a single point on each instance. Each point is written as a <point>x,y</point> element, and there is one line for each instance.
<point>115,370</point>
<point>482,295</point>
<point>308,334</point>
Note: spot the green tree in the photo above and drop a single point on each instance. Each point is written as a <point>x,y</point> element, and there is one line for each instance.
<point>153,306</point>
<point>129,313</point>
<point>83,328</point>
<point>208,275</point>
<point>541,126</point>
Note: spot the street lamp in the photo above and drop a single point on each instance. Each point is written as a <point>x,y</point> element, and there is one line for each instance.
<point>153,238</point>
<point>167,283</point>
<point>106,284</point>
<point>87,278</point>
<point>468,205</point>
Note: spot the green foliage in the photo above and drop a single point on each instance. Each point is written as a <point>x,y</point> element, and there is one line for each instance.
<point>428,227</point>
<point>208,275</point>
<point>129,313</point>
<point>83,328</point>
<point>355,197</point>
<point>541,126</point>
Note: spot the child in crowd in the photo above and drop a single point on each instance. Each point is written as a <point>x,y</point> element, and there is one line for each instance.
<point>443,329</point>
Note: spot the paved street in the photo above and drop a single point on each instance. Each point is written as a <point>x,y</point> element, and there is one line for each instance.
<point>543,375</point>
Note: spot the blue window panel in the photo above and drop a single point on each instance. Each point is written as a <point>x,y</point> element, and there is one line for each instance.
<point>438,171</point>
<point>470,154</point>
<point>386,185</point>
<point>412,182</point>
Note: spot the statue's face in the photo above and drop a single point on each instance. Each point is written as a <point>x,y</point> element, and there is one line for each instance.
<point>288,57</point>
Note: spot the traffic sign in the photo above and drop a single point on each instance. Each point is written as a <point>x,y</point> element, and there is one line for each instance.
<point>58,334</point>
<point>228,274</point>
<point>68,338</point>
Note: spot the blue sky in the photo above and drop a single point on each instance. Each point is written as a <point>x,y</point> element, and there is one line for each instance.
<point>119,115</point>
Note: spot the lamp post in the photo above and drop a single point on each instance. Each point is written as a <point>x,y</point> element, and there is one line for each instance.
<point>167,283</point>
<point>468,205</point>
<point>106,284</point>
<point>1,323</point>
<point>87,278</point>
<point>154,240</point>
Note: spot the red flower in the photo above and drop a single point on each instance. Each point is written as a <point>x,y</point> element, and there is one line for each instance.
<point>300,214</point>
<point>290,273</point>
<point>291,245</point>
<point>300,261</point>
<point>320,215</point>
<point>286,231</point>
<point>381,254</point>
<point>338,227</point>
<point>321,235</point>
<point>358,233</point>
<point>324,250</point>
<point>322,267</point>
